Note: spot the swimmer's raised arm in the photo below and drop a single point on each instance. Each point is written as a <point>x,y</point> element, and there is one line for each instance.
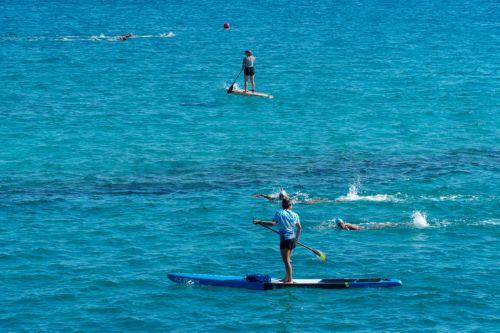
<point>346,226</point>
<point>266,196</point>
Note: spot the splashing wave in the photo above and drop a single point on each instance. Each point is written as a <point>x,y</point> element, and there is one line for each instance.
<point>353,195</point>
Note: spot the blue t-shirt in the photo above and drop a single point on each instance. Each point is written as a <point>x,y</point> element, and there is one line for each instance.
<point>286,220</point>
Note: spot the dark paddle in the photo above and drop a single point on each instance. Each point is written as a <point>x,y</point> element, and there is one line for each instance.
<point>320,255</point>
<point>230,90</point>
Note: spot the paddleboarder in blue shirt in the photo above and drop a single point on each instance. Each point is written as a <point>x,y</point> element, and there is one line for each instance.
<point>287,221</point>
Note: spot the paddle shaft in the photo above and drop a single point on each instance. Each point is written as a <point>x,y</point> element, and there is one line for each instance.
<point>231,87</point>
<point>303,245</point>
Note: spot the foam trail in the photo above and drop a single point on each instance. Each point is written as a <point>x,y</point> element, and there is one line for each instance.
<point>94,38</point>
<point>489,222</point>
<point>419,220</point>
<point>297,197</point>
<point>330,224</point>
<point>353,195</point>
<point>451,197</point>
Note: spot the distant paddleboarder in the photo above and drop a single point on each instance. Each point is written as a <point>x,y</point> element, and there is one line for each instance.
<point>248,69</point>
<point>287,221</point>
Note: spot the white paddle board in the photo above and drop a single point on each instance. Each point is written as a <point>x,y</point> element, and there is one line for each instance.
<point>250,93</point>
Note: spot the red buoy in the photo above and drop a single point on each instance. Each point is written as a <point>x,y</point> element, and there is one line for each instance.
<point>226,26</point>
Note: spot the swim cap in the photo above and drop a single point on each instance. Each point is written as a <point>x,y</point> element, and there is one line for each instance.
<point>338,221</point>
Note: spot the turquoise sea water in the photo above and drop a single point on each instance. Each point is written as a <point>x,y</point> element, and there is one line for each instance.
<point>122,161</point>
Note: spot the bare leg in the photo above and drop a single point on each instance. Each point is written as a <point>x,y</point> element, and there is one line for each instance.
<point>285,255</point>
<point>253,83</point>
<point>246,83</point>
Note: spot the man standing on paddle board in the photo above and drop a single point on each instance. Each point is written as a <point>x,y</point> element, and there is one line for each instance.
<point>248,69</point>
<point>287,221</point>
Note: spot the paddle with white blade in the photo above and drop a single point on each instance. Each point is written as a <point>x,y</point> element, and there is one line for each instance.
<point>230,90</point>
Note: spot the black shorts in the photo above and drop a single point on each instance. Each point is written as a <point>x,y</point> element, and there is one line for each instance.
<point>288,244</point>
<point>249,71</point>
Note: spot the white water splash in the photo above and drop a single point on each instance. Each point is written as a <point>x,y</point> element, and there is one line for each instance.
<point>353,195</point>
<point>297,197</point>
<point>228,84</point>
<point>95,38</point>
<point>451,197</point>
<point>330,224</point>
<point>419,220</point>
<point>489,222</point>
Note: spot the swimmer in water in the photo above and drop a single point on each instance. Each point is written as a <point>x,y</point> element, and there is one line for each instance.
<point>283,195</point>
<point>125,37</point>
<point>349,226</point>
<point>346,226</point>
<point>272,197</point>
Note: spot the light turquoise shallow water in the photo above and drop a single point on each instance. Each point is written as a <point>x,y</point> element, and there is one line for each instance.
<point>122,161</point>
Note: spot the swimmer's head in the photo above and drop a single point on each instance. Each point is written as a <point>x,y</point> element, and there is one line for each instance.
<point>248,53</point>
<point>283,195</point>
<point>340,223</point>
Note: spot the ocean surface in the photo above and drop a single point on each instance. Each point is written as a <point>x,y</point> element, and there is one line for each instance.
<point>123,161</point>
